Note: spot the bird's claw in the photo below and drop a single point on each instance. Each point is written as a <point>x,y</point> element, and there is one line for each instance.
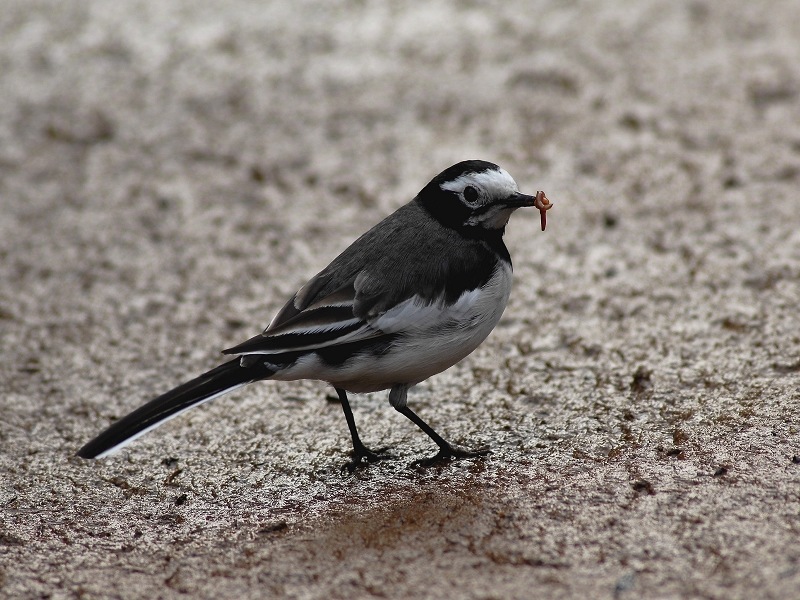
<point>363,456</point>
<point>448,453</point>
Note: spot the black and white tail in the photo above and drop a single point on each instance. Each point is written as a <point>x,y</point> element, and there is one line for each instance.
<point>216,382</point>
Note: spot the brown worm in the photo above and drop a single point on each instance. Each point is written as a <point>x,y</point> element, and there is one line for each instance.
<point>543,204</point>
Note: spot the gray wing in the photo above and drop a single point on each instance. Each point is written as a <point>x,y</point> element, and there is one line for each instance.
<point>336,305</point>
<point>344,302</point>
<point>350,314</point>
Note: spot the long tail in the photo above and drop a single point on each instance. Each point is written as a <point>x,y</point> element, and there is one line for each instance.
<point>225,378</point>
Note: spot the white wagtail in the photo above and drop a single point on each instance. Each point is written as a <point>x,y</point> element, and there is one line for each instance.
<point>408,299</point>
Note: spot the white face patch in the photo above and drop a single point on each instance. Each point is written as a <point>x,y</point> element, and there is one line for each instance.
<point>492,185</point>
<point>494,218</point>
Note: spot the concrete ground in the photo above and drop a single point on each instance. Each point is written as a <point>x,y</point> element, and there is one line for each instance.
<point>171,171</point>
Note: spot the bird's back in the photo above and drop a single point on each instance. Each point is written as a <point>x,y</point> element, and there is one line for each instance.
<point>381,259</point>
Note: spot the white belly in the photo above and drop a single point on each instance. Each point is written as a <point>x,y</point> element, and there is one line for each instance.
<point>435,338</point>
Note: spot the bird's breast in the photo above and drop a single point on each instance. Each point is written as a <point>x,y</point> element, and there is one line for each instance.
<point>435,336</point>
<point>427,338</point>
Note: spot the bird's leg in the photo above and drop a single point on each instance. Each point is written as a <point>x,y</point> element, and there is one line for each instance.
<point>447,451</point>
<point>360,451</point>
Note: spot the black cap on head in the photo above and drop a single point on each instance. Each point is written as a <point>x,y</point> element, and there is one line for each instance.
<point>462,168</point>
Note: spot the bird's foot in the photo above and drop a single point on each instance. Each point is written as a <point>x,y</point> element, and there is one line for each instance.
<point>448,453</point>
<point>362,456</point>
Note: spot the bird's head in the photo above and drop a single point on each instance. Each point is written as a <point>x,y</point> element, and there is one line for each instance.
<point>475,193</point>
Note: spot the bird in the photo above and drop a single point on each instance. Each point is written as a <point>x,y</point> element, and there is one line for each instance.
<point>408,299</point>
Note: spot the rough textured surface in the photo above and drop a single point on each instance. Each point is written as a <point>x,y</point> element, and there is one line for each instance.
<point>171,172</point>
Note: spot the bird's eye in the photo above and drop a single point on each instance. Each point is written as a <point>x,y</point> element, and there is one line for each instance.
<point>470,194</point>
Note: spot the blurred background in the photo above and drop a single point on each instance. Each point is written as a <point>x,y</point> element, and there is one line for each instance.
<point>170,172</point>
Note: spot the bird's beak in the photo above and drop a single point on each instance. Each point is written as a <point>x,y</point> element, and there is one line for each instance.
<point>519,200</point>
<point>539,201</point>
